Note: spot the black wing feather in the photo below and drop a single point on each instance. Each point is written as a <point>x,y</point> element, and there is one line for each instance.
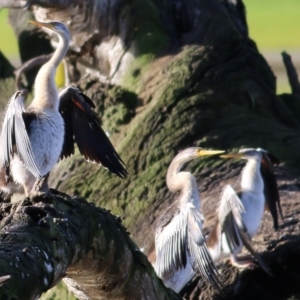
<point>231,234</point>
<point>83,127</point>
<point>270,188</point>
<point>84,131</point>
<point>68,146</point>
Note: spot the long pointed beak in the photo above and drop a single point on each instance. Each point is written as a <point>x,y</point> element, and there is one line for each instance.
<point>47,25</point>
<point>232,155</point>
<point>209,152</point>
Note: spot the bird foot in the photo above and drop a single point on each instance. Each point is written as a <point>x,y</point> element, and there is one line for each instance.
<point>40,189</point>
<point>243,262</point>
<point>36,195</point>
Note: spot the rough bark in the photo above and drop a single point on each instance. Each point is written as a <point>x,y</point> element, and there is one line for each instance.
<point>42,239</point>
<point>186,75</point>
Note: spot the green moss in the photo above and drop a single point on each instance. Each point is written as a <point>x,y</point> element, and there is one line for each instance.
<point>151,141</point>
<point>117,94</point>
<point>148,40</point>
<point>134,74</point>
<point>59,292</point>
<point>137,193</point>
<point>7,88</point>
<point>191,104</point>
<point>148,34</point>
<point>118,108</point>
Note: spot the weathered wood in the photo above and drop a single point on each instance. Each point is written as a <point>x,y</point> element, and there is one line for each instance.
<point>42,238</point>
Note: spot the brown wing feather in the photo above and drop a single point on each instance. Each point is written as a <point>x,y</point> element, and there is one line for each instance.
<point>83,127</point>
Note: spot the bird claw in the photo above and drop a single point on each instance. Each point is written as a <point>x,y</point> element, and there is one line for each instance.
<point>40,189</point>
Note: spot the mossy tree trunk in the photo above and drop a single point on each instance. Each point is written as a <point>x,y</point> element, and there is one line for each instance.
<point>167,75</point>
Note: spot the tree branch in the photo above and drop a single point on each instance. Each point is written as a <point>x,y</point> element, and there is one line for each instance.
<point>42,239</point>
<point>291,73</point>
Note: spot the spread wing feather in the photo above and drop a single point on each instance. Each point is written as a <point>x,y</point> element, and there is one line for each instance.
<point>202,262</point>
<point>83,127</point>
<point>233,226</point>
<point>68,146</point>
<point>229,214</point>
<point>178,236</point>
<point>14,136</point>
<point>170,244</point>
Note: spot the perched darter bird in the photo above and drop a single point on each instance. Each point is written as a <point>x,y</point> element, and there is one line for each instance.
<point>240,214</point>
<point>180,246</point>
<point>33,139</point>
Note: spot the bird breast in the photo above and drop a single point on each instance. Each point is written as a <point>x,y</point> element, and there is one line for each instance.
<point>46,135</point>
<point>254,204</point>
<point>251,177</point>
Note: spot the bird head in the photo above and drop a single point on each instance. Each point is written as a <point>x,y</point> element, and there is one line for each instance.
<point>194,152</point>
<point>273,159</point>
<point>203,152</point>
<point>246,153</point>
<point>58,27</point>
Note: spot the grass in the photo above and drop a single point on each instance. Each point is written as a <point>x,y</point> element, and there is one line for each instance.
<point>59,292</point>
<point>274,24</point>
<point>9,44</point>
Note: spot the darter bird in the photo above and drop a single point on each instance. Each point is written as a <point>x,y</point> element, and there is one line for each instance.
<point>180,246</point>
<point>239,215</point>
<point>33,139</point>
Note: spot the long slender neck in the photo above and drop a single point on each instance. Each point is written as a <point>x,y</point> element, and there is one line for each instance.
<point>46,94</point>
<point>182,181</point>
<point>251,177</point>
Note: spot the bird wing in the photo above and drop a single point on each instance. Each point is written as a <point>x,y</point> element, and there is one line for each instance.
<point>270,187</point>
<point>230,218</point>
<point>83,127</point>
<point>14,137</point>
<point>202,262</point>
<point>170,242</point>
<point>232,224</point>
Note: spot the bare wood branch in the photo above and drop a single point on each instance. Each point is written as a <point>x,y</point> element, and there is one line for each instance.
<point>41,240</point>
<point>291,73</point>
